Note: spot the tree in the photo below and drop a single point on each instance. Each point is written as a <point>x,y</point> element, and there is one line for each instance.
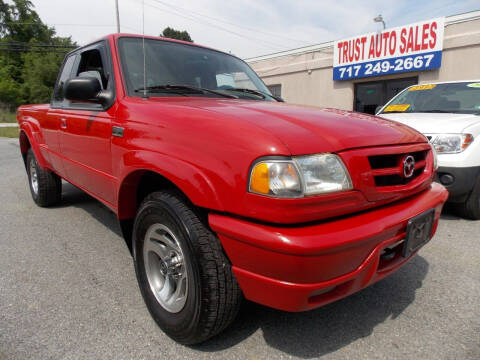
<point>21,23</point>
<point>9,89</point>
<point>28,68</point>
<point>171,33</point>
<point>39,76</point>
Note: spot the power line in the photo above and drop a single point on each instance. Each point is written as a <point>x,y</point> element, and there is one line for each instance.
<point>276,35</point>
<point>34,50</point>
<point>17,46</point>
<point>195,19</point>
<point>198,19</point>
<point>50,24</point>
<point>131,28</point>
<point>19,43</point>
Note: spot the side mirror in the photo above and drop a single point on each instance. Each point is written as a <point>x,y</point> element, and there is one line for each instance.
<point>84,89</point>
<point>377,109</point>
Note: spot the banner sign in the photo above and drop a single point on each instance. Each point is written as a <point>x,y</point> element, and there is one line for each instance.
<point>413,47</point>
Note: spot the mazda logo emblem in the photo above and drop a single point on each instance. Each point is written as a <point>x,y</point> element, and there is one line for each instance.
<point>408,166</point>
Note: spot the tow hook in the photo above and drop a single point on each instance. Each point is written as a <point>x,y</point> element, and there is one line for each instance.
<point>388,253</point>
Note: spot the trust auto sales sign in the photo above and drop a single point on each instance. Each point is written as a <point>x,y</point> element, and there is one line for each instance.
<point>406,48</point>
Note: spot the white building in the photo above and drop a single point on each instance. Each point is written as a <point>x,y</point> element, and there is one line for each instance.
<point>305,75</point>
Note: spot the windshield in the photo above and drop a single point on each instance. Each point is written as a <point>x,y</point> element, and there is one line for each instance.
<point>462,97</point>
<point>174,69</point>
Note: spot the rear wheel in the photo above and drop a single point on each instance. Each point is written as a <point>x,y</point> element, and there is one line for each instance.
<point>45,186</point>
<point>184,276</point>
<point>471,208</point>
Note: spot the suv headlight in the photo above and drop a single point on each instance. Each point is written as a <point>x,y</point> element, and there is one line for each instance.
<point>299,176</point>
<point>451,143</point>
<point>435,157</point>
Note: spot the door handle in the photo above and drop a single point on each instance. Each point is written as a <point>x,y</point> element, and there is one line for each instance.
<point>63,123</point>
<point>117,131</point>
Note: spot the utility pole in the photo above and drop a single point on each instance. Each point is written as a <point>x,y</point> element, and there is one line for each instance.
<point>118,16</point>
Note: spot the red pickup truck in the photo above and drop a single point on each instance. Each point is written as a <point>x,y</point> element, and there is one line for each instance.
<point>223,190</point>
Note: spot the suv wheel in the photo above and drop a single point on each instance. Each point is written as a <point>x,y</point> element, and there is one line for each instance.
<point>183,274</point>
<point>471,208</point>
<point>45,186</point>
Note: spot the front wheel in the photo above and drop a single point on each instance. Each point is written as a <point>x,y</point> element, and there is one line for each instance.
<point>184,276</point>
<point>471,208</point>
<point>45,186</point>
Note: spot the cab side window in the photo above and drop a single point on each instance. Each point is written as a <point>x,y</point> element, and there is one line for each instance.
<point>66,74</point>
<point>93,61</point>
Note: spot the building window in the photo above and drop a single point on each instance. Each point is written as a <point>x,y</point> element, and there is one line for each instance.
<point>372,94</point>
<point>276,90</point>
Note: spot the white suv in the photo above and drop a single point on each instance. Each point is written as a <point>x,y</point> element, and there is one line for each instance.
<point>448,114</point>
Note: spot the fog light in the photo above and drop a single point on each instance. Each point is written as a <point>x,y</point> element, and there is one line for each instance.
<point>447,179</point>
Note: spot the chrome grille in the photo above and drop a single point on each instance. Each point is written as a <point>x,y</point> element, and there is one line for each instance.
<point>388,170</point>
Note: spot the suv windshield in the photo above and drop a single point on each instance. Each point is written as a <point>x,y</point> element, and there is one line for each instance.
<point>175,69</point>
<point>461,97</point>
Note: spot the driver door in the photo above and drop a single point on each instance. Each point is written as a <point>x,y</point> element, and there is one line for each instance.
<point>86,129</point>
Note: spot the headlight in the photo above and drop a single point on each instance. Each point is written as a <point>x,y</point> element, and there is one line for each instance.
<point>323,174</point>
<point>435,157</point>
<point>300,176</point>
<point>277,178</point>
<point>451,143</point>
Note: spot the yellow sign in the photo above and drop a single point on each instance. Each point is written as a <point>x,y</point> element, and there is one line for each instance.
<point>398,107</point>
<point>422,87</point>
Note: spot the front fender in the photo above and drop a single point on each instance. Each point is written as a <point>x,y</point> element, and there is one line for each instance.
<point>32,133</point>
<point>190,179</point>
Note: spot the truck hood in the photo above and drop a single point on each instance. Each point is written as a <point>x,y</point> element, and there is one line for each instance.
<point>435,123</point>
<point>308,130</point>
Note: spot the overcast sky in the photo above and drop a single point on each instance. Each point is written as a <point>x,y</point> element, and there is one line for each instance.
<point>247,28</point>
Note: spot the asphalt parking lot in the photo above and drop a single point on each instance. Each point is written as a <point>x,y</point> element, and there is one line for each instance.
<point>68,291</point>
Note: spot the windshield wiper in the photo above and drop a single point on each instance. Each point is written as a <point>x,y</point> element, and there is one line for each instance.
<point>181,88</point>
<point>256,92</point>
<point>436,111</point>
<point>459,111</point>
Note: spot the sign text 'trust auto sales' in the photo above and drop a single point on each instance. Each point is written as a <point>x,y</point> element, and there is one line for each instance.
<point>413,47</point>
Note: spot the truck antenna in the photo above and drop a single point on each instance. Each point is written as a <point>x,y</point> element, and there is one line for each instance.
<point>143,50</point>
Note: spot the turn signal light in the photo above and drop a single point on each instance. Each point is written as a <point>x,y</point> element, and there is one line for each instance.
<point>259,181</point>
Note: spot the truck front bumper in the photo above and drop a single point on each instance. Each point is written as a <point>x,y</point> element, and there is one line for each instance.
<point>459,181</point>
<point>300,268</point>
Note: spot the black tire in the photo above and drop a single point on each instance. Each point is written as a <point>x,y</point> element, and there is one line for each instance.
<point>471,208</point>
<point>48,189</point>
<point>214,297</point>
